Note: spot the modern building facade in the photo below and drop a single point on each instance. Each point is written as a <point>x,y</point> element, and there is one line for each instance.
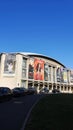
<point>37,70</point>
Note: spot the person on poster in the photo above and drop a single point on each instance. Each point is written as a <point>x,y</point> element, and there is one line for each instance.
<point>39,72</point>
<point>10,67</point>
<point>31,68</point>
<point>31,65</point>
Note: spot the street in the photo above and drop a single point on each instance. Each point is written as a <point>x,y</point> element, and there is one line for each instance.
<point>13,113</point>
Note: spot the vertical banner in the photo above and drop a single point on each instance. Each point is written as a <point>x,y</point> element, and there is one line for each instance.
<point>38,69</point>
<point>65,76</point>
<point>9,64</point>
<point>31,69</point>
<point>58,73</point>
<point>62,69</point>
<point>71,76</point>
<point>46,72</point>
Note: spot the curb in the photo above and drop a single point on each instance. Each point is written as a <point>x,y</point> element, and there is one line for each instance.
<point>25,121</point>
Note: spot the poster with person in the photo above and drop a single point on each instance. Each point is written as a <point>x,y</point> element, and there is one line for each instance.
<point>31,68</point>
<point>9,64</point>
<point>38,69</point>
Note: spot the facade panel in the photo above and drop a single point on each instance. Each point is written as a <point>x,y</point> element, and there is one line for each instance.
<point>25,70</point>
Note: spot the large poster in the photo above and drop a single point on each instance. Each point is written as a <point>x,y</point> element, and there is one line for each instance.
<point>58,73</point>
<point>65,76</point>
<point>38,69</point>
<point>9,64</point>
<point>62,69</point>
<point>71,76</point>
<point>31,69</point>
<point>46,72</point>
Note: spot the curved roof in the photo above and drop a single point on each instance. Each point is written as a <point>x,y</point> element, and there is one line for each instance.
<point>43,56</point>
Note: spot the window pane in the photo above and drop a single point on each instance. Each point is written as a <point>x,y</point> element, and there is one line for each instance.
<point>24,73</point>
<point>24,68</point>
<point>24,63</point>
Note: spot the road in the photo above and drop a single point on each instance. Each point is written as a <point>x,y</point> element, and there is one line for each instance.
<point>14,112</point>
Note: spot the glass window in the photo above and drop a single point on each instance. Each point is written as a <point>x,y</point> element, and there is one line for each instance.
<point>24,63</point>
<point>49,73</point>
<point>24,68</point>
<point>53,74</point>
<point>23,84</point>
<point>23,73</point>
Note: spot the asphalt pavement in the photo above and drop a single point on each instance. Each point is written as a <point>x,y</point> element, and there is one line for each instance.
<point>14,112</point>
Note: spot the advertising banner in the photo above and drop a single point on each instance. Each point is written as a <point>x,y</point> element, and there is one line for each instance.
<point>31,69</point>
<point>38,69</point>
<point>9,64</point>
<point>46,72</point>
<point>58,73</point>
<point>71,76</point>
<point>65,80</point>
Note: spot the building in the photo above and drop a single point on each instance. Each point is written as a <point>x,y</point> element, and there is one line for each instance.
<point>29,69</point>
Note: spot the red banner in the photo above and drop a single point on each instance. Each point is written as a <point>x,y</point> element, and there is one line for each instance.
<point>38,69</point>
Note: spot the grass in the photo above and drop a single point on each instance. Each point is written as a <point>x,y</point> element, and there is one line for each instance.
<point>53,112</point>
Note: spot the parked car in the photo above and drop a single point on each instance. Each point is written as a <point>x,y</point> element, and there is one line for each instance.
<point>19,91</point>
<point>32,90</point>
<point>44,90</point>
<point>55,91</point>
<point>5,93</point>
<point>24,90</point>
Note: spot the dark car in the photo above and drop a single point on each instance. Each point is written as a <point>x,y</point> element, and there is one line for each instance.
<point>55,91</point>
<point>5,93</point>
<point>19,91</point>
<point>32,90</point>
<point>44,90</point>
<point>24,90</point>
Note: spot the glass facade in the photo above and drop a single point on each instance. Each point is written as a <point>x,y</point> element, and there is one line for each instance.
<point>38,69</point>
<point>53,74</point>
<point>49,73</point>
<point>24,68</point>
<point>23,83</point>
<point>35,70</point>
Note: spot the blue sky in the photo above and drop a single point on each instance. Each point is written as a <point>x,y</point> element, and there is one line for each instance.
<point>38,26</point>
